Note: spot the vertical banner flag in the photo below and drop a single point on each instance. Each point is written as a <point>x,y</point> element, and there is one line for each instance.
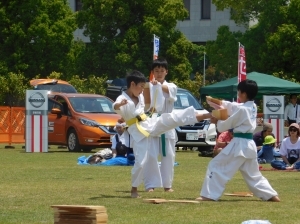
<point>155,51</point>
<point>241,64</point>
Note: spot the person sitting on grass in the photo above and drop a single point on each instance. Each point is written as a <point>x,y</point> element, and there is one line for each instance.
<point>267,152</point>
<point>259,137</point>
<point>223,140</point>
<point>289,150</point>
<point>120,141</point>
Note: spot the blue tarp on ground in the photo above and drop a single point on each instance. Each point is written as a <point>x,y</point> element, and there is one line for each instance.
<point>117,161</point>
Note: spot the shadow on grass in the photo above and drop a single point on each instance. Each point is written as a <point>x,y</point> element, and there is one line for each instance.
<point>110,196</point>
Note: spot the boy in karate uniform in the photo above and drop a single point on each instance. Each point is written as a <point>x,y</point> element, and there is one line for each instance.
<point>240,154</point>
<point>164,103</point>
<point>130,105</point>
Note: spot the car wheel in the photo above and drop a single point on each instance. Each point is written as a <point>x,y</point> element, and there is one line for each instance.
<point>73,143</point>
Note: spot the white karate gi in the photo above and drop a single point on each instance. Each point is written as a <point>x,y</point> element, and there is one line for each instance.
<point>164,104</point>
<point>124,138</point>
<point>155,126</point>
<point>239,154</point>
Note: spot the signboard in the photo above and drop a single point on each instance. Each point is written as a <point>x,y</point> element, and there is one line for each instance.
<point>273,108</point>
<point>36,125</point>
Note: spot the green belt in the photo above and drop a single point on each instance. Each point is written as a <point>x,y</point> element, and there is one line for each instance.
<point>243,135</point>
<point>163,142</point>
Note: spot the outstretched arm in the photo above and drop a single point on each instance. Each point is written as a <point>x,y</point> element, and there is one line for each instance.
<point>118,105</point>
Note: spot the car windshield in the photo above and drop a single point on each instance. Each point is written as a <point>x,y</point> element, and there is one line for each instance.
<point>186,99</point>
<point>92,105</point>
<point>60,88</point>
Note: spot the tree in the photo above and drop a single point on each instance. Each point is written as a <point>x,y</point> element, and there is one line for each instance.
<point>243,11</point>
<point>121,34</point>
<point>223,53</point>
<point>35,36</point>
<point>272,45</point>
<point>13,89</point>
<point>91,84</point>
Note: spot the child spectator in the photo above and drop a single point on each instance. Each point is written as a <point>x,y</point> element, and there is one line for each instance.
<point>259,137</point>
<point>267,152</point>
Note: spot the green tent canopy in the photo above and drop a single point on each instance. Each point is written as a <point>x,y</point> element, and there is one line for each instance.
<point>267,85</point>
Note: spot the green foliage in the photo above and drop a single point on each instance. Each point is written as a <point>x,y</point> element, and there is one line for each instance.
<point>191,85</point>
<point>121,34</point>
<point>13,89</point>
<point>271,45</point>
<point>223,52</point>
<point>54,75</point>
<point>92,84</point>
<point>197,58</point>
<point>243,11</point>
<point>35,36</point>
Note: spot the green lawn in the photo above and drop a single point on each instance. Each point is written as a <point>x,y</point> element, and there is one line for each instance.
<point>31,182</point>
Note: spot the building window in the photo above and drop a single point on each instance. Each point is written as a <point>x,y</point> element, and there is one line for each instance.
<point>187,4</point>
<point>78,5</point>
<point>205,9</point>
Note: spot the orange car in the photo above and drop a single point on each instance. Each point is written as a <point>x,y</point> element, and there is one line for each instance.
<point>53,85</point>
<point>80,121</point>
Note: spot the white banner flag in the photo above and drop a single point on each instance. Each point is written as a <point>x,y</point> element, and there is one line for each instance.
<point>155,47</point>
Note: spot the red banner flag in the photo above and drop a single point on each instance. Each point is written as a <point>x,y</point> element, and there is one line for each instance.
<point>241,64</point>
<point>242,75</point>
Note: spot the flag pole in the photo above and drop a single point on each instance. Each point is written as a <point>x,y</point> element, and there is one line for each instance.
<point>204,70</point>
<point>155,52</point>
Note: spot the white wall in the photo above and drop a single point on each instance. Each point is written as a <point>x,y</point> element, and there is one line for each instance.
<point>198,30</point>
<point>195,29</point>
<point>78,33</point>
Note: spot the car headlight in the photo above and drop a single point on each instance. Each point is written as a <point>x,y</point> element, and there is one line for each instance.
<point>88,122</point>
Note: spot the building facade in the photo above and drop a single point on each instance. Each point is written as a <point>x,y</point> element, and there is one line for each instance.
<point>204,20</point>
<point>199,27</point>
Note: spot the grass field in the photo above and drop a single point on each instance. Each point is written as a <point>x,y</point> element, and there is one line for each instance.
<point>31,182</point>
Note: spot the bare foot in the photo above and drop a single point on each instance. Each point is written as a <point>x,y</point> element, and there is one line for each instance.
<point>274,199</point>
<point>203,199</point>
<point>150,189</point>
<point>135,195</point>
<point>169,190</point>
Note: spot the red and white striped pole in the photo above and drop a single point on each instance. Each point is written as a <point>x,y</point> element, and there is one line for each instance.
<point>36,126</point>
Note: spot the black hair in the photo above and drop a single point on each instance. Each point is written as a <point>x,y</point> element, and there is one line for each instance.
<point>249,87</point>
<point>136,77</point>
<point>160,62</point>
<point>291,96</point>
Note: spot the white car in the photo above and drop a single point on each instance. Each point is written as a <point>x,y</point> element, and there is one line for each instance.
<point>203,134</point>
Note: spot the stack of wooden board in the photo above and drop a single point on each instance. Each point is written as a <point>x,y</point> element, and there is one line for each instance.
<point>79,214</point>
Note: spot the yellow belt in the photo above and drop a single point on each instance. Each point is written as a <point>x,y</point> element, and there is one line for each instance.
<point>136,121</point>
